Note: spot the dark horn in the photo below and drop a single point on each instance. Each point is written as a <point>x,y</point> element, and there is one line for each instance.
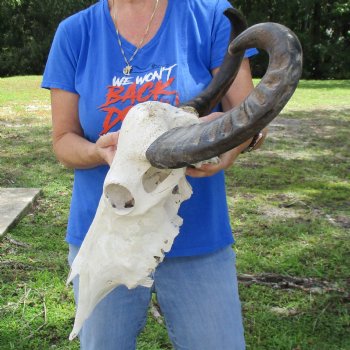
<point>180,147</point>
<point>214,92</point>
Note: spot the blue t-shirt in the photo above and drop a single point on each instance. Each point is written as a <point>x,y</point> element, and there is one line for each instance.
<point>173,67</point>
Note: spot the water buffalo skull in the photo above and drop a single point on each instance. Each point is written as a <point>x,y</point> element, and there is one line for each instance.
<point>136,220</point>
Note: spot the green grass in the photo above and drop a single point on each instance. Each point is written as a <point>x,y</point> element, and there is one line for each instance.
<point>290,211</point>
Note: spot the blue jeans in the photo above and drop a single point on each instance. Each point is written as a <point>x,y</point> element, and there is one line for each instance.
<point>197,295</point>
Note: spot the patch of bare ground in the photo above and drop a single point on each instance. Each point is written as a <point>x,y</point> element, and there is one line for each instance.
<point>247,196</point>
<point>284,311</point>
<point>320,123</point>
<point>37,106</point>
<point>286,206</point>
<point>272,212</point>
<point>289,207</point>
<point>246,163</point>
<point>339,220</point>
<point>6,111</point>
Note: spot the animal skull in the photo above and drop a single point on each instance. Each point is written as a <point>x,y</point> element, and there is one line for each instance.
<point>136,220</point>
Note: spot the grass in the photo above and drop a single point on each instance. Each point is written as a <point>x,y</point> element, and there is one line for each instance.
<point>290,210</point>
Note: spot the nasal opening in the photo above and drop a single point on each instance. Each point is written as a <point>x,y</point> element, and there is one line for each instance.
<point>120,198</point>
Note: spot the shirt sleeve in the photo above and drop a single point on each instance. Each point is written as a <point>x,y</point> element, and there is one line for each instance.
<point>60,70</point>
<point>221,35</point>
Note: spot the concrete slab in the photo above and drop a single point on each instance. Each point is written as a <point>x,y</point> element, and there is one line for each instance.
<point>14,204</point>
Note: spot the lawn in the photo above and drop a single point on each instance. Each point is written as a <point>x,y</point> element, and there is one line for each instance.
<point>290,210</point>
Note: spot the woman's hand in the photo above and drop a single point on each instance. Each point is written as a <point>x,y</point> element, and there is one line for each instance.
<point>262,140</point>
<point>226,159</point>
<point>106,146</point>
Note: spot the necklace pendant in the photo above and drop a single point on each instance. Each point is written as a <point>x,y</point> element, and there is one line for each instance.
<point>127,70</point>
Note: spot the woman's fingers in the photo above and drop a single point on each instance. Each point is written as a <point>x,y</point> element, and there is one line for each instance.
<point>204,171</point>
<point>107,146</point>
<point>109,155</point>
<point>226,160</point>
<point>110,139</point>
<point>211,116</point>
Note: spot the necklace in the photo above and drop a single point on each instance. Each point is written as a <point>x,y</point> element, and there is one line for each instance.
<point>128,68</point>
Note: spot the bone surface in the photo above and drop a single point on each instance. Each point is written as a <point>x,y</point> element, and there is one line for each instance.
<point>136,220</point>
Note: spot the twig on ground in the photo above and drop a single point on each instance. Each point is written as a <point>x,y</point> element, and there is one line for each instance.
<point>317,318</point>
<point>15,242</point>
<point>15,264</point>
<point>42,325</point>
<point>310,285</point>
<point>26,295</point>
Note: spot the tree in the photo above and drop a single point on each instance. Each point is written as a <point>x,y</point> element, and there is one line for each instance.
<point>322,27</point>
<point>27,29</point>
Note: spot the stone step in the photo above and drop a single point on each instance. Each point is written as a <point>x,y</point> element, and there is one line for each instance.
<point>14,204</point>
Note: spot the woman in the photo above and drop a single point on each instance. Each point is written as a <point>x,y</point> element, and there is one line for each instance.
<point>104,60</point>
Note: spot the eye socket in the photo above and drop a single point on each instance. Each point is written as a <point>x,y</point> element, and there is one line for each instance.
<point>120,198</point>
<point>153,177</point>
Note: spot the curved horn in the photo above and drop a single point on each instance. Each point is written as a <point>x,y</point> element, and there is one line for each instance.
<point>180,147</point>
<point>214,92</point>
